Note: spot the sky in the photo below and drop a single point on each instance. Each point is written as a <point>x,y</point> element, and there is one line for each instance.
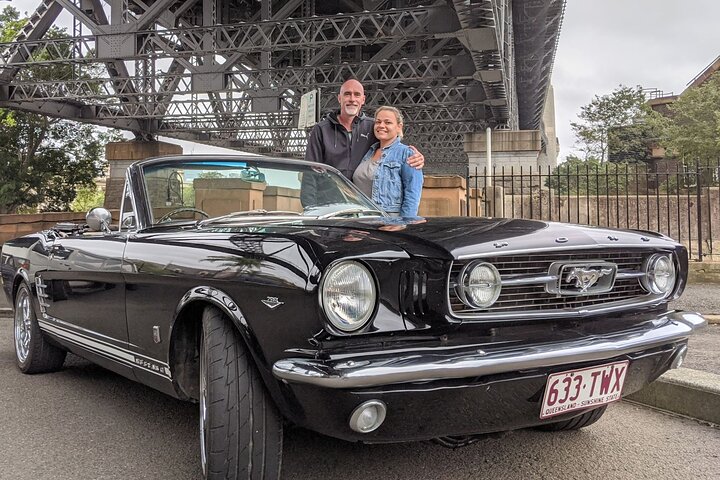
<point>659,44</point>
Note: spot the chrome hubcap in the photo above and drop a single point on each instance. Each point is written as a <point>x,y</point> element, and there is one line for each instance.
<point>22,326</point>
<point>203,414</point>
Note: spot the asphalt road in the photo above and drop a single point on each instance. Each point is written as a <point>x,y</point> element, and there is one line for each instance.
<point>703,298</point>
<point>87,423</point>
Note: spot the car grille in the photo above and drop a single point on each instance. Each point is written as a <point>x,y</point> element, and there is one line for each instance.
<point>532,298</point>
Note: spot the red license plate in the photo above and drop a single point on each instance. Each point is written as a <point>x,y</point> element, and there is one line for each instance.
<point>583,388</point>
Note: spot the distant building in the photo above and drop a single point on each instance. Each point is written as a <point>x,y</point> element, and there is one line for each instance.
<point>660,102</point>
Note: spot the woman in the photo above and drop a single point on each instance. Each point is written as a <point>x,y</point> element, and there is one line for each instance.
<point>384,175</point>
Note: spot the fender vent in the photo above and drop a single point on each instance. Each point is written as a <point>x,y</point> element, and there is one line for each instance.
<point>413,293</point>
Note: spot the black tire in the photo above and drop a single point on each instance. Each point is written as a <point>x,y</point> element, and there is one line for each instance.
<point>33,353</point>
<point>581,421</point>
<point>241,432</point>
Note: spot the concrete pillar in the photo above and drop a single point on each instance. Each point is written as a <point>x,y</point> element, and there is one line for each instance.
<point>120,155</point>
<point>510,148</point>
<point>549,157</point>
<point>495,197</point>
<point>442,197</point>
<point>512,151</point>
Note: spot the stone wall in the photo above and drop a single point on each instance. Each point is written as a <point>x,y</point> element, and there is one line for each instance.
<point>675,216</point>
<point>120,155</point>
<point>12,226</point>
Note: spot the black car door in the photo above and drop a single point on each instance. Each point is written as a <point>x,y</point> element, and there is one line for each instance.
<point>82,297</point>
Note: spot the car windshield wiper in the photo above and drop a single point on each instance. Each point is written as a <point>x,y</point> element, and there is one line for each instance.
<point>350,211</point>
<point>248,213</point>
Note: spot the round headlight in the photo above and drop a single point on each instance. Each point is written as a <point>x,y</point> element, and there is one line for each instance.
<point>479,285</point>
<point>659,274</point>
<point>348,295</point>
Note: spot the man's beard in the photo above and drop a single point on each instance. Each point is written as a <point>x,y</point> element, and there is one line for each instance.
<point>352,110</point>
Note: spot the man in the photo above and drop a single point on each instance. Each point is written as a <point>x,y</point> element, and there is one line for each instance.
<point>342,139</point>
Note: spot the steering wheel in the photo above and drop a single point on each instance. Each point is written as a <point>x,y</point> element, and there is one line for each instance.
<point>168,216</point>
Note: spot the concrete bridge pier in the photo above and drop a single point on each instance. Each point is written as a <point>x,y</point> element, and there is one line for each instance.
<point>510,150</point>
<point>516,159</point>
<point>120,155</point>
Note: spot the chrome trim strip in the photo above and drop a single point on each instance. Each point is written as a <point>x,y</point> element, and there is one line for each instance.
<point>123,356</point>
<point>529,280</point>
<point>551,278</point>
<point>375,371</point>
<point>565,248</point>
<point>629,275</point>
<point>598,309</point>
<point>85,332</point>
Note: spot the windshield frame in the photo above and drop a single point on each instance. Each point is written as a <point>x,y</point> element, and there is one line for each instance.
<point>137,172</point>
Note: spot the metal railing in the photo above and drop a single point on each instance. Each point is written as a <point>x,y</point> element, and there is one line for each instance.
<point>680,201</point>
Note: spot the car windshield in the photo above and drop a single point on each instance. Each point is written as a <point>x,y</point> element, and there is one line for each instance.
<point>216,190</point>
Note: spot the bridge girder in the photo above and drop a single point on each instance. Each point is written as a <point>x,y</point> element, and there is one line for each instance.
<point>231,72</point>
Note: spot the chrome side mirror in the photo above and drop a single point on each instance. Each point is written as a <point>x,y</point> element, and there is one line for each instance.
<point>99,220</point>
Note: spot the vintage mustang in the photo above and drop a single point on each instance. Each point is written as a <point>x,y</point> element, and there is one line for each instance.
<point>271,291</point>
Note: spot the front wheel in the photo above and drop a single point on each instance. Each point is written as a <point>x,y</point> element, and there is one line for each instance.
<point>240,429</point>
<point>33,353</point>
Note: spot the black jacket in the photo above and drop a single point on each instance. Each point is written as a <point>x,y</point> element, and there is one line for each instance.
<point>331,144</point>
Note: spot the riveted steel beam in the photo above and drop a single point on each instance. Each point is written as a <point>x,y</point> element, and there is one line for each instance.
<point>205,69</point>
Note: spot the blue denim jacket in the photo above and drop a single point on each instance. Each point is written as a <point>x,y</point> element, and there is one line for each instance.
<point>396,186</point>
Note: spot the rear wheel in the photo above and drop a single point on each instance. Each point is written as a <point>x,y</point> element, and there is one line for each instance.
<point>581,421</point>
<point>32,352</point>
<point>240,429</point>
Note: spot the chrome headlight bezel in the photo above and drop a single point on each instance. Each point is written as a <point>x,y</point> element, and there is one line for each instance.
<point>464,287</point>
<point>337,322</point>
<point>652,282</point>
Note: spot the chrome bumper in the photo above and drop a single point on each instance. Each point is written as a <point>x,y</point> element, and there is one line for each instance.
<point>437,364</point>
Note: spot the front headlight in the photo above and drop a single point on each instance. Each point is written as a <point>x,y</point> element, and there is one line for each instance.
<point>348,295</point>
<point>479,284</point>
<point>659,274</point>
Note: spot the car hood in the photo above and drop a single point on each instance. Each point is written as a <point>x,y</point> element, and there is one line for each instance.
<point>448,237</point>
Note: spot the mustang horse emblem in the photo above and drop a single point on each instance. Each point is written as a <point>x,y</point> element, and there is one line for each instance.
<point>586,277</point>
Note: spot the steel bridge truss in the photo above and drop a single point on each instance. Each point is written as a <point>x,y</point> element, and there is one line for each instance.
<point>231,72</point>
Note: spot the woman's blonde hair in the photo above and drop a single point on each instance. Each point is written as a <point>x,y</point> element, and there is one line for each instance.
<point>398,116</point>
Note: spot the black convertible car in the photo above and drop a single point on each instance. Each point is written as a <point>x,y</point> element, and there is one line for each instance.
<point>230,282</point>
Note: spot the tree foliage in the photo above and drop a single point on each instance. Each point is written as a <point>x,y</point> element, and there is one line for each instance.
<point>577,176</point>
<point>615,126</point>
<point>692,132</point>
<point>87,198</point>
<point>43,160</point>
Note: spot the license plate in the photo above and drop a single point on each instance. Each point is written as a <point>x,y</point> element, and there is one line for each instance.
<point>583,388</point>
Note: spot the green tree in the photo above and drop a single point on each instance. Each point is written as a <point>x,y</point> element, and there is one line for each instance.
<point>615,123</point>
<point>576,176</point>
<point>692,131</point>
<point>87,198</point>
<point>43,161</point>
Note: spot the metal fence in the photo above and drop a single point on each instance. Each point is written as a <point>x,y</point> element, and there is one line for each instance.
<point>680,201</point>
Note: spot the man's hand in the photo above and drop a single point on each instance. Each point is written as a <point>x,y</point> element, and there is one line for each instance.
<point>417,159</point>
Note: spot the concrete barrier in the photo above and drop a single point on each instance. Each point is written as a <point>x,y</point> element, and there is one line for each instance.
<point>684,391</point>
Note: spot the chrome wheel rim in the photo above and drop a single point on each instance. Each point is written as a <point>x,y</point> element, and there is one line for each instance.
<point>203,413</point>
<point>23,326</point>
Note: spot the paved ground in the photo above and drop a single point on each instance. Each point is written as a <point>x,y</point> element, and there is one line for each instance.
<point>87,423</point>
<point>704,346</point>
<point>703,298</point>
